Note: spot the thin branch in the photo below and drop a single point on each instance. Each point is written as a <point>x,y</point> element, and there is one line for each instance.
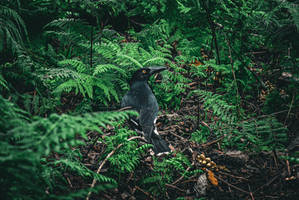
<point>212,142</point>
<point>213,29</point>
<point>91,44</point>
<point>233,71</point>
<point>174,187</point>
<point>233,186</point>
<point>179,179</point>
<point>146,193</point>
<point>293,98</point>
<point>94,181</point>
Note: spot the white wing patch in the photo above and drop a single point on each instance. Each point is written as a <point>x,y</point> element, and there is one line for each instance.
<point>155,130</point>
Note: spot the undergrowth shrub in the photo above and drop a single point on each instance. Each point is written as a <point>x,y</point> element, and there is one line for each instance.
<point>127,157</point>
<point>167,171</point>
<point>36,153</point>
<point>262,133</point>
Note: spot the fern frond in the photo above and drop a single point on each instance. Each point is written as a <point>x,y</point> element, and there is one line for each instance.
<point>133,60</point>
<point>155,60</point>
<point>102,68</point>
<point>12,30</point>
<point>225,112</point>
<point>66,23</point>
<point>3,82</point>
<point>27,145</point>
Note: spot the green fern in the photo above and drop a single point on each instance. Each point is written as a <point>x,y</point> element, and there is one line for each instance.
<point>102,68</point>
<point>257,134</point>
<point>12,30</point>
<point>78,77</point>
<point>3,82</point>
<point>225,112</point>
<point>128,156</point>
<point>165,172</point>
<point>27,146</point>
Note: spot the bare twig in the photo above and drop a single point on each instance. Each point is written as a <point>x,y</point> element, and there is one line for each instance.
<point>233,176</point>
<point>267,184</point>
<point>179,179</point>
<point>212,142</point>
<point>233,71</point>
<point>290,108</point>
<point>125,108</point>
<point>146,193</point>
<point>233,186</point>
<point>178,136</point>
<point>69,182</point>
<point>251,194</point>
<point>275,159</point>
<point>91,44</point>
<point>171,131</point>
<point>288,167</point>
<point>175,187</point>
<point>213,29</point>
<point>190,180</point>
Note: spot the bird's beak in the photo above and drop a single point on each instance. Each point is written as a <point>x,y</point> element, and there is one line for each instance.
<point>157,69</point>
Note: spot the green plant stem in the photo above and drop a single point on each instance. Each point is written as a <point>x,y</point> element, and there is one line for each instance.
<point>91,45</point>
<point>292,102</point>
<point>234,75</point>
<point>212,27</point>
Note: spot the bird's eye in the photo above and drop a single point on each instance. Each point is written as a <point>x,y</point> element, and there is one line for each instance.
<point>144,71</point>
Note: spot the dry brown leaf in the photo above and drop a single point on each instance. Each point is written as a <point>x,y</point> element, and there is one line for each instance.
<point>212,178</point>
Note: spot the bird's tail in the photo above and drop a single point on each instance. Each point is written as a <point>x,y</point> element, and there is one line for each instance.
<point>160,145</point>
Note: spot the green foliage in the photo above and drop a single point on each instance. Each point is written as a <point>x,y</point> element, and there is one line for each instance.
<point>68,34</point>
<point>131,56</point>
<point>170,95</point>
<point>292,159</point>
<point>84,83</point>
<point>28,164</point>
<point>165,172</point>
<point>127,157</point>
<point>262,133</point>
<point>3,82</point>
<point>224,111</point>
<point>12,31</point>
<point>201,135</point>
<point>158,38</point>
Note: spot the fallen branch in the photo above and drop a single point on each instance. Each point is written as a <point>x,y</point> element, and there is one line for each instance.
<point>146,193</point>
<point>233,186</point>
<point>233,176</point>
<point>212,142</point>
<point>174,187</point>
<point>179,179</point>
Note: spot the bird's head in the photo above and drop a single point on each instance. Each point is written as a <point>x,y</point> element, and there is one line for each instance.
<point>143,74</point>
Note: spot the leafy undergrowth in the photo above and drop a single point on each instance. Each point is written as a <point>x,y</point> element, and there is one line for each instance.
<point>233,174</point>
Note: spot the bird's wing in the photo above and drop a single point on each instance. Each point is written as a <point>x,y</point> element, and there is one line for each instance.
<point>131,99</point>
<point>147,121</point>
<point>126,101</point>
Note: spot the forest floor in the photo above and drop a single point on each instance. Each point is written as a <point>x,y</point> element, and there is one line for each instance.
<point>237,175</point>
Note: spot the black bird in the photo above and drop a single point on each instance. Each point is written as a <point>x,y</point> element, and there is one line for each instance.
<point>141,98</point>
